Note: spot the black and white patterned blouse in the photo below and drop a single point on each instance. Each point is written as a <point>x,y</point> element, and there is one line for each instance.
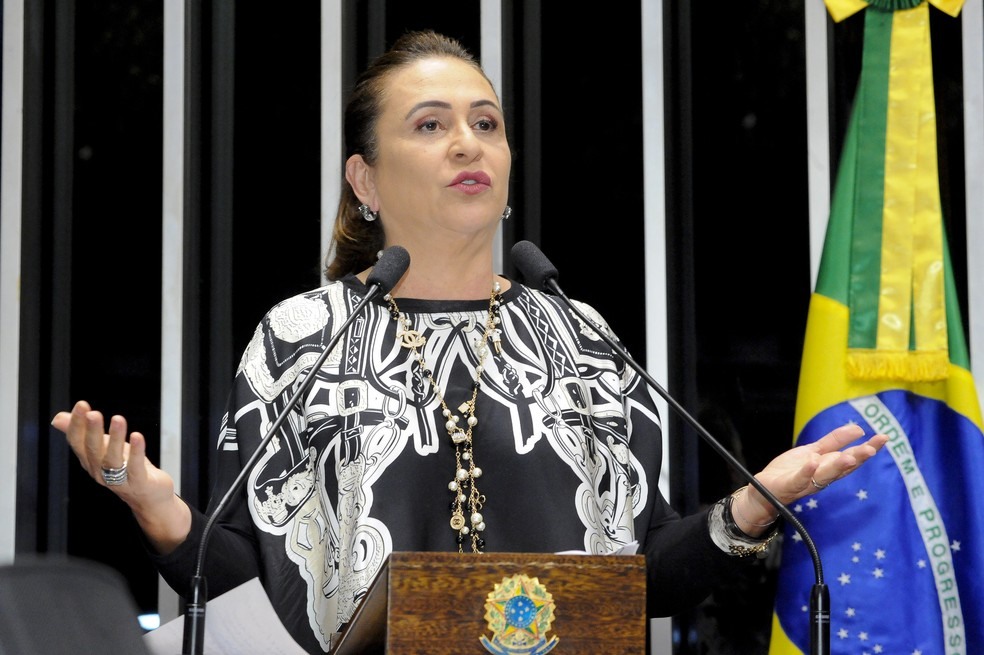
<point>568,439</point>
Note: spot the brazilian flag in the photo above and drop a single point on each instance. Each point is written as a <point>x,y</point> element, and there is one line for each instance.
<point>901,540</point>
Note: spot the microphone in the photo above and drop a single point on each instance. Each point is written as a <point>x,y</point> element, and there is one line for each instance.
<point>392,264</point>
<point>541,274</point>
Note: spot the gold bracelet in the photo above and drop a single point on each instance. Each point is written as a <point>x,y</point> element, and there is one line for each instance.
<point>745,551</point>
<point>735,508</point>
<point>732,529</point>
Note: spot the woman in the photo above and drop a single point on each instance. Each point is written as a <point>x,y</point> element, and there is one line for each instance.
<point>465,412</point>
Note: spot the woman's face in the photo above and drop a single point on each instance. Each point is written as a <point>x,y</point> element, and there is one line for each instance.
<point>443,161</point>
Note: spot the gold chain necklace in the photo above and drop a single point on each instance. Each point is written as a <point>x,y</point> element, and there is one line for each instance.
<point>464,489</point>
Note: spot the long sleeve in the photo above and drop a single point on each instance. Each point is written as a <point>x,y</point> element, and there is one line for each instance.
<point>230,559</point>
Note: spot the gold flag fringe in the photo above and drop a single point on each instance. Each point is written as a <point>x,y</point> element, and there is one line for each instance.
<point>906,366</point>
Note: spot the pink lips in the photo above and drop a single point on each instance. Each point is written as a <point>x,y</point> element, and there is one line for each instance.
<point>471,182</point>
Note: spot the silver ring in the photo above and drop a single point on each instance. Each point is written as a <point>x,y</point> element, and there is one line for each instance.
<point>113,477</point>
<point>818,485</point>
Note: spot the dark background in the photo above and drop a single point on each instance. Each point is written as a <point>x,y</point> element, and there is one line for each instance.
<point>736,204</point>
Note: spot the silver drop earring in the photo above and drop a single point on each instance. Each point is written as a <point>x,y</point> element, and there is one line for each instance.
<point>367,213</point>
<point>506,213</point>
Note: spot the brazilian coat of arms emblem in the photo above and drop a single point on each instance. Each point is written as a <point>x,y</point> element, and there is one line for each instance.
<point>519,611</point>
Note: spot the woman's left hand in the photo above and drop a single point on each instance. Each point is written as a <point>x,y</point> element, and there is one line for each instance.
<point>804,470</point>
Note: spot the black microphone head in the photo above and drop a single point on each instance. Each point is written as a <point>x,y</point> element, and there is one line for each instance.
<point>534,265</point>
<point>389,268</point>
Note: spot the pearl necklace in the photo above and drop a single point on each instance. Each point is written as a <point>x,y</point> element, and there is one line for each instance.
<point>465,494</point>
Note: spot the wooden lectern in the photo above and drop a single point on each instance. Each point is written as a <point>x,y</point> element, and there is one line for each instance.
<point>448,603</point>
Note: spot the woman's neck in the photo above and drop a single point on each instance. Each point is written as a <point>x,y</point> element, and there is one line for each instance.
<point>448,285</point>
<point>447,276</point>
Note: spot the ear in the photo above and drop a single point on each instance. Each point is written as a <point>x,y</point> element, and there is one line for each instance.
<point>360,177</point>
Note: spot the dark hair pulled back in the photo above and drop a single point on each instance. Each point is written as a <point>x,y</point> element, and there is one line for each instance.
<point>355,241</point>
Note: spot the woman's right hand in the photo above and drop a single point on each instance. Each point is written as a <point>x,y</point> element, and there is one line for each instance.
<point>148,490</point>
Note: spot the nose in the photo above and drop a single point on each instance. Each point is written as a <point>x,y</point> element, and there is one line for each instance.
<point>465,145</point>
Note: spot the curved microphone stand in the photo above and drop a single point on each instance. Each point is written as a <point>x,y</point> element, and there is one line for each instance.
<point>390,267</point>
<point>540,273</point>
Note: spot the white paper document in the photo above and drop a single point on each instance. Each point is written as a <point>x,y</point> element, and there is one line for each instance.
<point>239,622</point>
<point>630,548</point>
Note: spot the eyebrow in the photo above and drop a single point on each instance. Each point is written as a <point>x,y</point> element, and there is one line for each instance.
<point>447,105</point>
